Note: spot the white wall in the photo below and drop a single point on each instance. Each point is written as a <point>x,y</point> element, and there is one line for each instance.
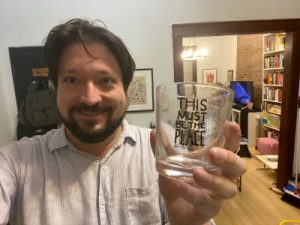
<point>187,71</point>
<point>145,26</point>
<point>229,57</point>
<point>222,52</point>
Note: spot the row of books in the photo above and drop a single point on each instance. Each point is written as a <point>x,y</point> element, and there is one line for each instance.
<point>271,120</point>
<point>275,43</point>
<point>272,94</point>
<point>275,61</point>
<point>275,78</point>
<point>271,108</point>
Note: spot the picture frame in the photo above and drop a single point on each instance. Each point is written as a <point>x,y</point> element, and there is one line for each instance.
<point>140,91</point>
<point>210,76</point>
<point>229,75</point>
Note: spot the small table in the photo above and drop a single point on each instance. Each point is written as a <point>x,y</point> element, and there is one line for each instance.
<point>270,161</point>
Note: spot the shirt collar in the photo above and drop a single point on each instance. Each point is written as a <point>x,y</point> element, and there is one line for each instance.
<point>59,139</point>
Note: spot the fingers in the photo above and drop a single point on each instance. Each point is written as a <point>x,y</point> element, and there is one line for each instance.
<point>171,188</point>
<point>152,139</point>
<point>220,187</point>
<point>230,163</point>
<point>205,195</point>
<point>185,201</point>
<point>163,139</point>
<point>232,136</point>
<point>200,198</point>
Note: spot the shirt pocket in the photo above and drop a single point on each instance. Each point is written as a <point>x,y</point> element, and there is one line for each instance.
<point>143,205</point>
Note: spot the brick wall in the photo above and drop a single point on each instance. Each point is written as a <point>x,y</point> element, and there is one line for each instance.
<point>249,62</point>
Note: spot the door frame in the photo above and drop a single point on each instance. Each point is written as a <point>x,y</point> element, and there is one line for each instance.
<point>291,78</point>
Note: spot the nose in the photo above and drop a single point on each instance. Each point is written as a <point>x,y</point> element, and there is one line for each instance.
<point>91,94</point>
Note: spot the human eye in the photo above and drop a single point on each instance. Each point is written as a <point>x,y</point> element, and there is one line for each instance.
<point>107,81</point>
<point>71,80</point>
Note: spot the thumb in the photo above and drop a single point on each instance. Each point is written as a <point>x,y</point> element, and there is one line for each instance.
<point>152,139</point>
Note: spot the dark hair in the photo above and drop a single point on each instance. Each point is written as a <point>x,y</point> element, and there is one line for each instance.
<point>83,31</point>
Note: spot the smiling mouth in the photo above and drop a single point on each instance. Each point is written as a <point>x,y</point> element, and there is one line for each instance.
<point>88,114</point>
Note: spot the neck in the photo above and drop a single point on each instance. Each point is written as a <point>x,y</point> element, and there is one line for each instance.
<point>98,149</point>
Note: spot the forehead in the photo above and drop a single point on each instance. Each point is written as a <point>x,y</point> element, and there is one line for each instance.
<point>84,54</point>
<point>88,49</point>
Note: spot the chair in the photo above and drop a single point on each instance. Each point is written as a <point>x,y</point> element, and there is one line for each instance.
<point>239,179</point>
<point>239,183</point>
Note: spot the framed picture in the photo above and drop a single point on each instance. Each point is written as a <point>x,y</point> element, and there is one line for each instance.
<point>140,91</point>
<point>229,75</point>
<point>210,76</point>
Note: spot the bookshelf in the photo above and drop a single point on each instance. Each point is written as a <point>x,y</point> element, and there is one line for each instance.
<point>272,82</point>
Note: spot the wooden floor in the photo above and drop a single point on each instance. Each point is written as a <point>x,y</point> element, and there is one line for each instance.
<point>256,204</point>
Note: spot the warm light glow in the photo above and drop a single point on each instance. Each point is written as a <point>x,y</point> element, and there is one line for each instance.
<point>194,53</point>
<point>201,52</point>
<point>188,53</point>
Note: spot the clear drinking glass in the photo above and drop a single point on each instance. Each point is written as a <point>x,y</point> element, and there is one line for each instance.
<point>190,119</point>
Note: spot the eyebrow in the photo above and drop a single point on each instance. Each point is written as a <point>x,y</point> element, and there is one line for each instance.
<point>98,72</point>
<point>72,70</point>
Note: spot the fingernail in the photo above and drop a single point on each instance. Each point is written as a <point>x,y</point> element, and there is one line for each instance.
<point>219,154</point>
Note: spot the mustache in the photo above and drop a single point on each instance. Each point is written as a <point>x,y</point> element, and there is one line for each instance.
<point>96,108</point>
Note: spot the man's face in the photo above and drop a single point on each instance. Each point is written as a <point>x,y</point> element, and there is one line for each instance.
<point>90,94</point>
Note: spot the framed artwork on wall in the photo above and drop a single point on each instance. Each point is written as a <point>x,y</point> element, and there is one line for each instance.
<point>210,76</point>
<point>140,91</point>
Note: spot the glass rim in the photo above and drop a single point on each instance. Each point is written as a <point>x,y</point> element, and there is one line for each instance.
<point>228,91</point>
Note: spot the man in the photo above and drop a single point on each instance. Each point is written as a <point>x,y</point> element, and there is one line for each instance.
<point>96,168</point>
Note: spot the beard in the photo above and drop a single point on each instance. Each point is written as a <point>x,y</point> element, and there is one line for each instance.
<point>86,133</point>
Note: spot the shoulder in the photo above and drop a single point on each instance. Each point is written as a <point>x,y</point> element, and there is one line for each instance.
<point>141,136</point>
<point>25,148</point>
<point>137,132</point>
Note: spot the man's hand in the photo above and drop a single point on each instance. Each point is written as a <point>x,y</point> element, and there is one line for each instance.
<point>198,202</point>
